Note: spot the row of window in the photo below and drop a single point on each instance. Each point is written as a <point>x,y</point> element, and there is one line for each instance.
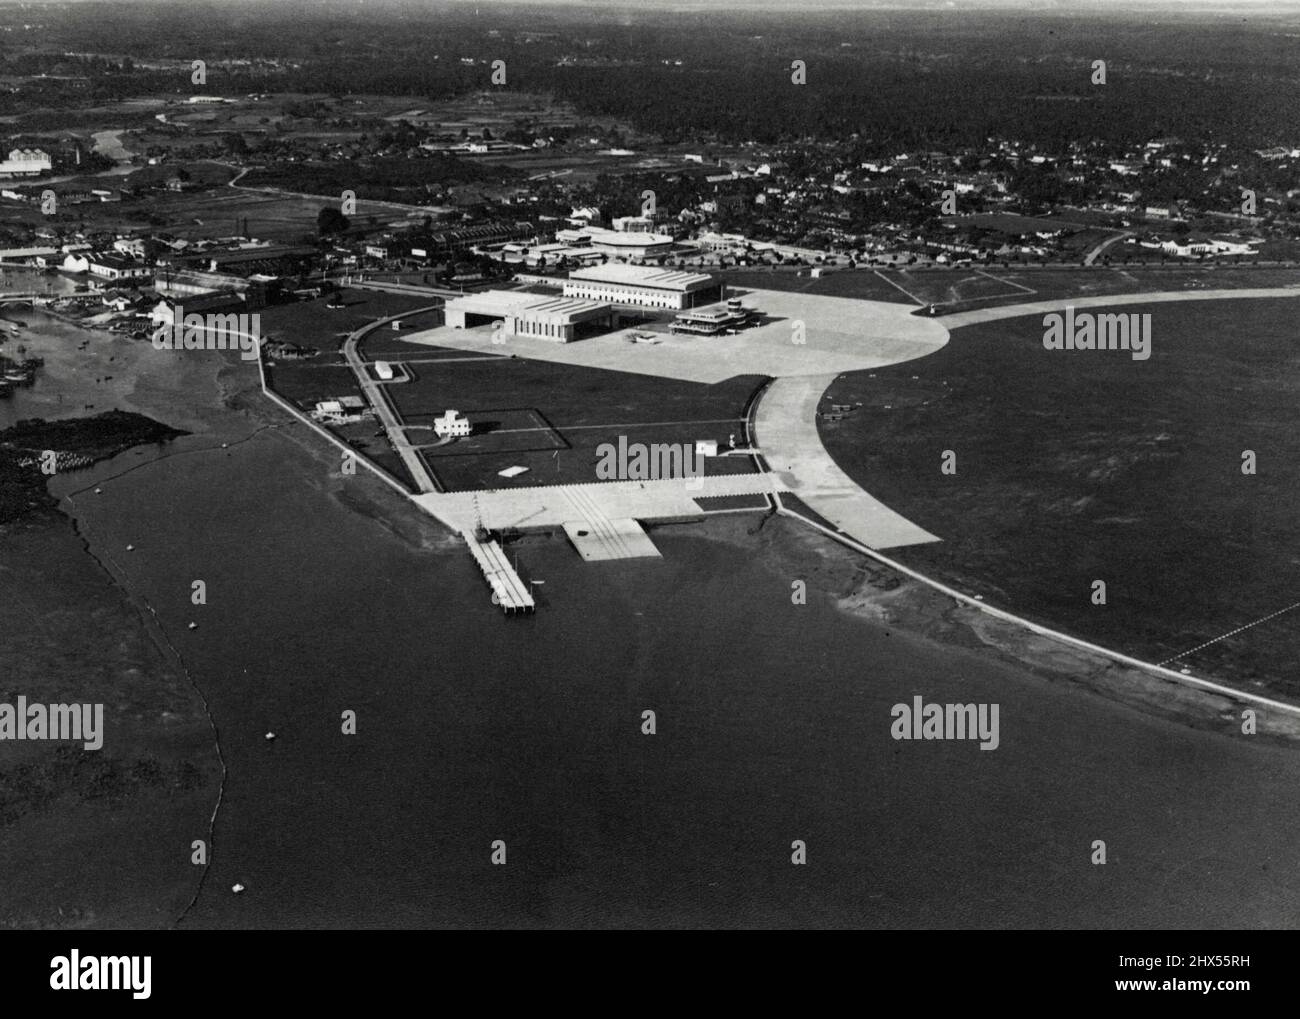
<point>628,295</point>
<point>539,329</point>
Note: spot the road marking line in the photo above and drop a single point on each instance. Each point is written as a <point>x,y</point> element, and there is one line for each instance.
<point>1006,282</point>
<point>897,287</point>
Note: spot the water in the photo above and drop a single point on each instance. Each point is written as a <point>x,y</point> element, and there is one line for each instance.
<point>773,724</point>
<point>326,594</point>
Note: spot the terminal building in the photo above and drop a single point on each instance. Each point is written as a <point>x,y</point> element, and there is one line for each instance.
<point>644,286</point>
<point>559,319</point>
<point>451,425</point>
<point>618,243</point>
<point>712,321</point>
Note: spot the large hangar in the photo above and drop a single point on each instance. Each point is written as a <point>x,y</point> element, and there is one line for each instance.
<point>643,285</point>
<point>559,319</point>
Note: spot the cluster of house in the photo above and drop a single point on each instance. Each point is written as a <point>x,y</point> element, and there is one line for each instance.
<point>1201,247</point>
<point>118,266</point>
<point>838,202</point>
<point>155,275</point>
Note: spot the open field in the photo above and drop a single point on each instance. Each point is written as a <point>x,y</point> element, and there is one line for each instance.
<point>1139,485</point>
<point>1077,281</point>
<point>551,418</point>
<point>954,286</point>
<point>272,217</point>
<point>215,209</point>
<point>312,324</point>
<point>964,287</point>
<point>862,284</point>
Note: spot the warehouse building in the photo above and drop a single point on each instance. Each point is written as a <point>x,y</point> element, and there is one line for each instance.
<point>559,319</point>
<point>645,286</point>
<point>25,163</point>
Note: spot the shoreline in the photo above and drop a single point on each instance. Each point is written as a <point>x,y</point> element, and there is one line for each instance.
<point>474,710</point>
<point>877,595</point>
<point>881,595</point>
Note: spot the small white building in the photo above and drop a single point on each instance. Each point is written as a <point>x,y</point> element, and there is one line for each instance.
<point>25,163</point>
<point>451,424</point>
<point>117,267</point>
<point>384,371</point>
<point>343,410</point>
<point>633,224</point>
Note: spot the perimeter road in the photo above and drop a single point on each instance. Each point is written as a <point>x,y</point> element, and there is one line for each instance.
<point>374,393</point>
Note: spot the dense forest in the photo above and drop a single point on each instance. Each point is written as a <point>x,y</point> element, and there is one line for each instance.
<point>900,79</point>
<point>390,180</point>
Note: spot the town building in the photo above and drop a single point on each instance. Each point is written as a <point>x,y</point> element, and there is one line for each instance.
<point>633,224</point>
<point>441,243</point>
<point>135,247</point>
<point>618,243</point>
<point>342,410</point>
<point>165,312</point>
<point>117,267</point>
<point>259,290</point>
<point>25,163</point>
<point>265,259</point>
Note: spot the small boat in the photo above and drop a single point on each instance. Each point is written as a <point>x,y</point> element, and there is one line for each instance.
<point>194,626</point>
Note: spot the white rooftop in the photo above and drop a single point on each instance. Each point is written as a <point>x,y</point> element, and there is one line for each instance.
<point>625,238</point>
<point>642,276</point>
<point>500,303</point>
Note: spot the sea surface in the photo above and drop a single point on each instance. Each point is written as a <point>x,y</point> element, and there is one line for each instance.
<point>773,725</point>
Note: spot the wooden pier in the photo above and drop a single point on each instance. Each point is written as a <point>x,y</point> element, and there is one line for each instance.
<point>508,588</point>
